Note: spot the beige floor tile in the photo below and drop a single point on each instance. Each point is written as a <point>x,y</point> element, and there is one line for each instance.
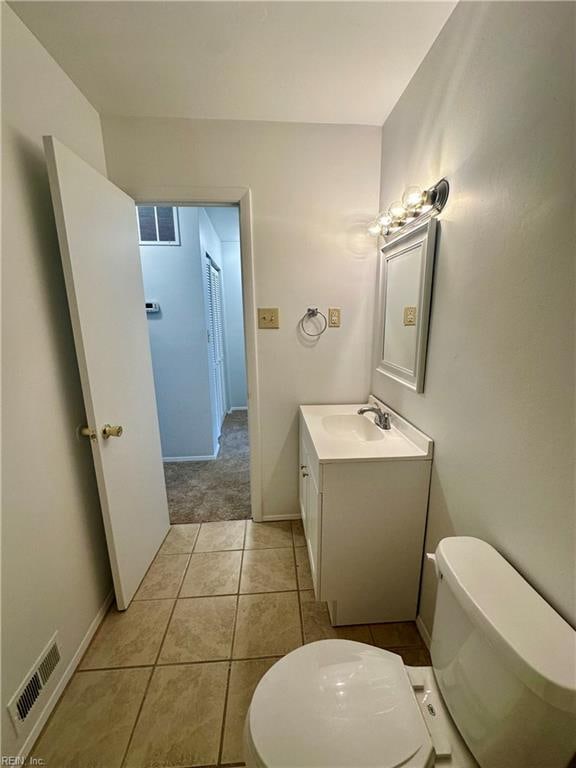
<point>180,539</point>
<point>201,629</point>
<point>92,724</point>
<point>212,573</point>
<point>396,635</point>
<point>163,578</point>
<point>268,535</point>
<point>129,638</point>
<point>181,719</point>
<point>244,677</point>
<point>414,657</point>
<point>267,625</point>
<point>316,623</point>
<point>215,537</point>
<point>303,569</point>
<point>268,570</point>
<point>298,533</point>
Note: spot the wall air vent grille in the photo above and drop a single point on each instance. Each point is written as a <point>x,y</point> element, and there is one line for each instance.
<point>28,697</point>
<point>22,703</point>
<point>49,663</point>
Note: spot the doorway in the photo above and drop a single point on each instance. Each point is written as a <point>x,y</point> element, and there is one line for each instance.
<point>192,273</point>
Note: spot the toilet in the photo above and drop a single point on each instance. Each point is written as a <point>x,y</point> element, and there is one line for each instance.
<point>501,692</point>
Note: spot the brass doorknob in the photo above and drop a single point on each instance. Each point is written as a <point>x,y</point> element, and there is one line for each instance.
<point>109,430</point>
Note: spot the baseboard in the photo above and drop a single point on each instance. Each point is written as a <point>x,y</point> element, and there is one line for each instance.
<point>175,459</point>
<point>423,631</point>
<point>238,408</point>
<point>275,518</point>
<point>64,680</point>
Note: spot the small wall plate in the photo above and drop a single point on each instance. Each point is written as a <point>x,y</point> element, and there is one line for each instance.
<point>268,317</point>
<point>334,317</point>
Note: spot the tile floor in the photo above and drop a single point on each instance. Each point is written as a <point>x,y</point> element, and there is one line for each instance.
<point>167,683</point>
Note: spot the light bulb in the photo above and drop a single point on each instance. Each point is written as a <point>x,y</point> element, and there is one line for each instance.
<point>412,198</point>
<point>397,211</point>
<point>384,219</point>
<point>374,229</point>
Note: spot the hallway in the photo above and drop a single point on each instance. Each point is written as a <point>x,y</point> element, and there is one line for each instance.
<point>211,491</point>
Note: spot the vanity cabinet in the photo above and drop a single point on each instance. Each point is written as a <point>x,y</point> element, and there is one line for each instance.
<point>363,501</point>
<point>310,505</point>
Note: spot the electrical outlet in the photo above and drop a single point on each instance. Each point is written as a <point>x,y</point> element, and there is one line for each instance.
<point>268,317</point>
<point>409,315</point>
<point>334,317</point>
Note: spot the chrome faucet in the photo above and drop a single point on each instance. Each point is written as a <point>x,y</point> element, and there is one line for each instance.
<point>381,418</point>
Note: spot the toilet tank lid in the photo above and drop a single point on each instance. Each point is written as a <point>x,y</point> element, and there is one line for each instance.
<point>535,641</point>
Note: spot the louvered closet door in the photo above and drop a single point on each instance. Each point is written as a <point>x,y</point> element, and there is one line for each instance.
<point>219,328</point>
<point>216,342</point>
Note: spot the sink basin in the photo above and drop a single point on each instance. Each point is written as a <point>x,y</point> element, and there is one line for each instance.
<point>352,427</point>
<point>340,433</point>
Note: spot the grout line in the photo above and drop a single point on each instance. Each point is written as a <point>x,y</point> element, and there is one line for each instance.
<point>227,692</point>
<point>228,660</point>
<point>164,634</point>
<point>298,590</point>
<point>225,594</point>
<point>184,576</point>
<point>237,607</point>
<point>133,729</point>
<point>153,669</point>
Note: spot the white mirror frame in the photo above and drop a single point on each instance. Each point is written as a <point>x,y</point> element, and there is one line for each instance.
<point>424,235</point>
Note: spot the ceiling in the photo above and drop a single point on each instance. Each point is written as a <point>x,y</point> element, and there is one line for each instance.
<point>314,62</point>
<point>226,222</point>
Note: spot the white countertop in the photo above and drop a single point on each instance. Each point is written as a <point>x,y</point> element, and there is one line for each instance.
<point>337,436</point>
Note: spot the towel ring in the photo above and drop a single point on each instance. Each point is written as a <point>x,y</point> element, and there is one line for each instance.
<point>310,313</point>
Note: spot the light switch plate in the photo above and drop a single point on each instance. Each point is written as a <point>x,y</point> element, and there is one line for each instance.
<point>409,315</point>
<point>334,317</point>
<point>268,317</point>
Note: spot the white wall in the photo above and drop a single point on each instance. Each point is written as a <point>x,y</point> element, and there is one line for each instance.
<point>234,325</point>
<point>314,189</point>
<point>209,241</point>
<point>492,108</point>
<point>55,573</point>
<point>173,278</point>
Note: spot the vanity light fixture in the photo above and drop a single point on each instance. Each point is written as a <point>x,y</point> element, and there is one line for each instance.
<point>415,204</point>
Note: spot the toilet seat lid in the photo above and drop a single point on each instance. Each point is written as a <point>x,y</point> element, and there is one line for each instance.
<point>338,703</point>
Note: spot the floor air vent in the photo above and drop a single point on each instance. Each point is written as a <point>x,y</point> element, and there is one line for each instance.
<point>23,701</point>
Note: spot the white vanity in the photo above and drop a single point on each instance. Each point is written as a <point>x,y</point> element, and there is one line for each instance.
<point>363,499</point>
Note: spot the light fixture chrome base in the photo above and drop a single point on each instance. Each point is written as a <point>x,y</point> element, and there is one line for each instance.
<point>437,196</point>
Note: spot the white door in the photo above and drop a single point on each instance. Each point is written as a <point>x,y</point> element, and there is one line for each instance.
<point>98,238</point>
<point>216,341</point>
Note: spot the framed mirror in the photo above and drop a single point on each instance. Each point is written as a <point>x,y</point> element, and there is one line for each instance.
<point>406,266</point>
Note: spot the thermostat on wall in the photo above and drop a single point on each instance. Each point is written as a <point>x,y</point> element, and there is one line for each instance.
<point>152,307</point>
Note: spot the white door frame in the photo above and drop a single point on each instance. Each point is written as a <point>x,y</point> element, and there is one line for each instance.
<point>200,196</point>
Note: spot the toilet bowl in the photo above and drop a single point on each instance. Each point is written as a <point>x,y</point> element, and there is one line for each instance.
<point>342,703</point>
<point>497,695</point>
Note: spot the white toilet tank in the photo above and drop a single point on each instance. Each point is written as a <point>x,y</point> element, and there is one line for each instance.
<point>504,660</point>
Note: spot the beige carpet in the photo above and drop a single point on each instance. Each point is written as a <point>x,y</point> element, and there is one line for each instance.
<point>204,491</point>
